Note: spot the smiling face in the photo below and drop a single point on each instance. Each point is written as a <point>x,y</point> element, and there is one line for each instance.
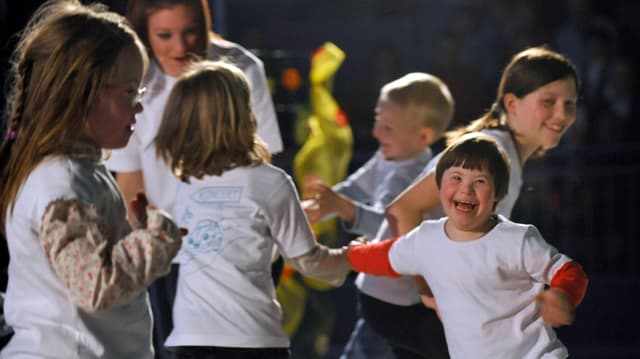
<point>399,136</point>
<point>468,198</point>
<point>110,119</point>
<point>540,118</point>
<point>174,37</point>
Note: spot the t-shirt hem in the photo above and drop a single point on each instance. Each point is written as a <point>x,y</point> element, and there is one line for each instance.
<point>227,341</point>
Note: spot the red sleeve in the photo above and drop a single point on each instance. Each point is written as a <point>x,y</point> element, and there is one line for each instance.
<point>572,279</point>
<point>373,258</point>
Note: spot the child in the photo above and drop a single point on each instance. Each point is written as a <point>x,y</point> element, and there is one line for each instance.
<point>412,112</point>
<point>77,274</point>
<point>240,210</point>
<point>534,106</point>
<point>487,274</point>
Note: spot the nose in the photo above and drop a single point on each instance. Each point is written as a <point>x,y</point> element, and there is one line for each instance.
<point>180,46</point>
<point>466,187</point>
<point>376,131</point>
<point>564,113</point>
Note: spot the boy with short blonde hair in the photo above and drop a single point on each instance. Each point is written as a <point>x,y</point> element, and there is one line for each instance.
<point>412,112</point>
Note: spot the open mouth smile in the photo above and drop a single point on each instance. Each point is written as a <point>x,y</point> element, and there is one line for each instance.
<point>465,206</point>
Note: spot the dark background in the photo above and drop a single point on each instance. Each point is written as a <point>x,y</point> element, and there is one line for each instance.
<point>584,195</point>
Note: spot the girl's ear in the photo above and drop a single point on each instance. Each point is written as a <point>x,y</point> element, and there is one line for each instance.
<point>509,101</point>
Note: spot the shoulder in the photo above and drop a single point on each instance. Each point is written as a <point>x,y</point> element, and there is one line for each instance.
<point>272,174</point>
<point>50,180</point>
<point>52,174</point>
<point>510,229</point>
<point>234,53</point>
<point>430,226</point>
<point>503,138</point>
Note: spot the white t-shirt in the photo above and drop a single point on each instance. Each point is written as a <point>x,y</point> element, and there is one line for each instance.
<point>485,288</point>
<point>37,304</point>
<point>403,291</point>
<point>225,295</point>
<point>140,152</point>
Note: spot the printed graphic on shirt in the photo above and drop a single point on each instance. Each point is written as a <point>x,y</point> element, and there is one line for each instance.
<point>211,230</point>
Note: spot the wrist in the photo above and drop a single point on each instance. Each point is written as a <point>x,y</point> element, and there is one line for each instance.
<point>347,210</point>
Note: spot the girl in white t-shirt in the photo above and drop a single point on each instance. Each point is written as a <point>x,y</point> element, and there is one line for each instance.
<point>488,275</point>
<point>240,211</point>
<point>535,104</point>
<point>77,271</point>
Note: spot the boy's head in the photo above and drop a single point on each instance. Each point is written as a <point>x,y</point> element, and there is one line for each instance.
<point>479,153</point>
<point>208,126</point>
<point>412,112</point>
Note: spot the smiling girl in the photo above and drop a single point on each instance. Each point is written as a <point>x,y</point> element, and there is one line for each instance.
<point>487,274</point>
<point>535,104</point>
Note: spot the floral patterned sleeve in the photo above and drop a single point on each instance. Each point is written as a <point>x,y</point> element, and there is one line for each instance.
<point>102,272</point>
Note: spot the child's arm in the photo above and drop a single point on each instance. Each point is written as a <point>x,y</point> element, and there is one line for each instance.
<point>407,210</point>
<point>568,287</point>
<point>98,272</point>
<point>327,264</point>
<point>130,184</point>
<point>325,200</point>
<point>373,258</point>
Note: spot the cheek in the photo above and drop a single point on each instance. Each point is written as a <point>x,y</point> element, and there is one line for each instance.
<point>193,41</point>
<point>157,48</point>
<point>446,192</point>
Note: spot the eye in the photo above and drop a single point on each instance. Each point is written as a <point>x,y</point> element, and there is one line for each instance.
<point>570,107</point>
<point>191,31</point>
<point>549,102</point>
<point>164,35</point>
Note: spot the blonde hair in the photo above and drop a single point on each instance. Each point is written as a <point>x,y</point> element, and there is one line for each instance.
<point>64,56</point>
<point>208,126</point>
<point>426,97</point>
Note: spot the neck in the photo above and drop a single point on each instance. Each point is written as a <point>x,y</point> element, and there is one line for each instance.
<point>525,150</point>
<point>464,235</point>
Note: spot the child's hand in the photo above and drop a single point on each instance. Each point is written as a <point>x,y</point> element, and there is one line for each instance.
<point>430,302</point>
<point>556,308</point>
<point>362,240</point>
<point>324,201</point>
<point>139,208</point>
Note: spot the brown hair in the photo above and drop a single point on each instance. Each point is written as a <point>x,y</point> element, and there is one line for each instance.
<point>208,126</point>
<point>64,56</point>
<point>426,96</point>
<point>476,151</point>
<point>138,13</point>
<point>527,71</point>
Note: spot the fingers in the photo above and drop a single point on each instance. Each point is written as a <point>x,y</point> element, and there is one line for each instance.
<point>139,208</point>
<point>362,240</point>
<point>555,308</point>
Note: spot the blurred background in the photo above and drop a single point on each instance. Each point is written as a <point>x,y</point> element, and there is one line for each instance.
<point>583,196</point>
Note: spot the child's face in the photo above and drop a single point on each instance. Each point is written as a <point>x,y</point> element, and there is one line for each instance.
<point>467,197</point>
<point>541,117</point>
<point>110,119</point>
<point>173,35</point>
<point>397,134</point>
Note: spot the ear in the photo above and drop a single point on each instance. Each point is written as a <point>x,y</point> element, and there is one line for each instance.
<point>427,136</point>
<point>509,101</point>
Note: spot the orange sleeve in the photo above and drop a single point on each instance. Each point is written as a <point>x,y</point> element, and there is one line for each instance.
<point>373,258</point>
<point>572,279</point>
